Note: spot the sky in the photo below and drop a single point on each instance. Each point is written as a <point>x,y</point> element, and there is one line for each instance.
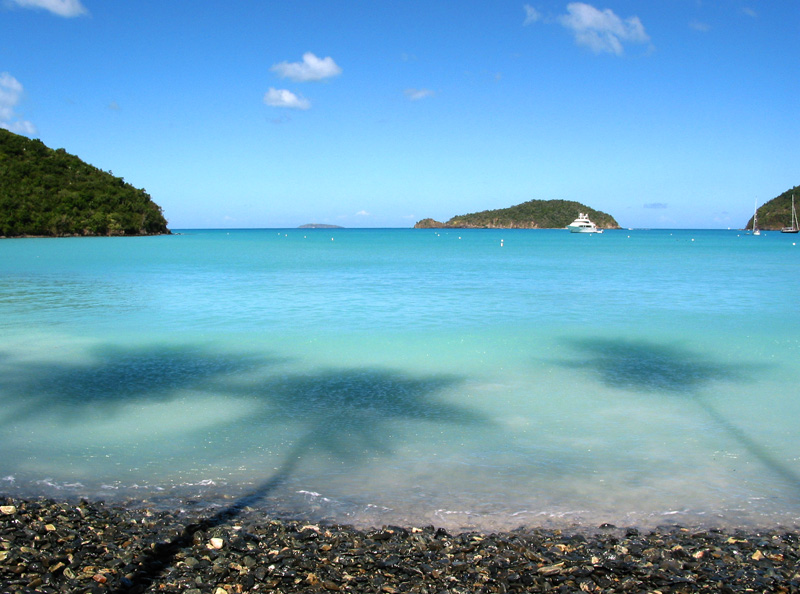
<point>379,113</point>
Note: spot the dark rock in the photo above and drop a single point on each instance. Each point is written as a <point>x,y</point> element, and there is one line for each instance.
<point>49,547</point>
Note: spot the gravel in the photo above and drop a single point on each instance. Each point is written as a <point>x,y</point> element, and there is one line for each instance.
<point>56,546</point>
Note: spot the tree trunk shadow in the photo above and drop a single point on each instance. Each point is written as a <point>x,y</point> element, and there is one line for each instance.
<point>161,558</point>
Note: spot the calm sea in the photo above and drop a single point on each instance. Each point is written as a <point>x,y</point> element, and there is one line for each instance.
<point>463,378</point>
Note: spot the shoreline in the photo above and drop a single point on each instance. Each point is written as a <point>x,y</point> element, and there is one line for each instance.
<point>48,545</point>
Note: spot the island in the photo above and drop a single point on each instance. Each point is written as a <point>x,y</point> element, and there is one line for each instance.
<point>534,214</point>
<point>51,193</point>
<point>777,213</point>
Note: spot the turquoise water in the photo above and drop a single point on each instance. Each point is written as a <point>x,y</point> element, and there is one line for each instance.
<point>465,378</point>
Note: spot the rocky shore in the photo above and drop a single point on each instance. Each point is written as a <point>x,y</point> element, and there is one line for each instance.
<point>87,547</point>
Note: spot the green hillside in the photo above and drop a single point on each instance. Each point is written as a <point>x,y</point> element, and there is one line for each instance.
<point>52,193</point>
<point>777,213</point>
<point>534,214</point>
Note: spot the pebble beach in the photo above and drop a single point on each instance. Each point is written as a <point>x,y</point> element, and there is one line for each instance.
<point>53,546</point>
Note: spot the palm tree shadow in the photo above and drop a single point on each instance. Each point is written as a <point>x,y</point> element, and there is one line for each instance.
<point>670,370</point>
<point>341,413</point>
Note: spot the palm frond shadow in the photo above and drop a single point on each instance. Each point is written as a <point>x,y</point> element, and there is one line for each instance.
<point>112,377</point>
<point>674,371</point>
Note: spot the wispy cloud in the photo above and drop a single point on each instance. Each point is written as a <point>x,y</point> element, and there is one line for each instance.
<point>656,205</point>
<point>531,14</point>
<point>285,98</point>
<point>602,30</point>
<point>64,8</point>
<point>699,26</point>
<point>10,94</point>
<point>750,12</point>
<point>362,213</point>
<point>311,68</point>
<point>417,94</point>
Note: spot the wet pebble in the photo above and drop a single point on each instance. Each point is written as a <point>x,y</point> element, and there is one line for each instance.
<point>58,547</point>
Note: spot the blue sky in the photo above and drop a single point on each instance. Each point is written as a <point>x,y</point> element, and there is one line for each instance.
<point>373,113</point>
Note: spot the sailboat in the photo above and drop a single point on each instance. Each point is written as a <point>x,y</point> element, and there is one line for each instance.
<point>756,230</point>
<point>794,227</point>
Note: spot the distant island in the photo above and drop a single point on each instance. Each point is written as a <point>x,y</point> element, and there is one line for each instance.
<point>534,214</point>
<point>51,193</point>
<point>319,226</point>
<point>777,213</point>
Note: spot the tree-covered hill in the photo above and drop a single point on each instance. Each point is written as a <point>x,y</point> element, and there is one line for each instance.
<point>777,213</point>
<point>52,193</point>
<point>534,214</point>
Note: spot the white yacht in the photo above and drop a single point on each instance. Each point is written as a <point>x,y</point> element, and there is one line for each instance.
<point>583,225</point>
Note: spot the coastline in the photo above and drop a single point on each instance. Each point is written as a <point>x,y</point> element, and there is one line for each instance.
<point>58,546</point>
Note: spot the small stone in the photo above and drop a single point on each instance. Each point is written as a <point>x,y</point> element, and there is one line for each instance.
<point>216,543</point>
<point>551,569</point>
<point>8,509</point>
<point>757,556</point>
<point>57,567</point>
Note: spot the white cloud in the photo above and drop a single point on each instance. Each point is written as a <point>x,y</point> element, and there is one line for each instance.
<point>531,14</point>
<point>64,8</point>
<point>311,68</point>
<point>10,94</point>
<point>417,94</point>
<point>362,213</point>
<point>602,30</point>
<point>750,12</point>
<point>285,98</point>
<point>699,26</point>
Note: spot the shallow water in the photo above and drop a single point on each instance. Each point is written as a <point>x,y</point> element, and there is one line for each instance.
<point>471,379</point>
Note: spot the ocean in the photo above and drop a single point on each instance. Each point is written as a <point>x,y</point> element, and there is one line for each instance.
<point>470,379</point>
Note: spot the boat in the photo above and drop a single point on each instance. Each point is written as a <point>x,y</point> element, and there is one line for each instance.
<point>583,225</point>
<point>794,227</point>
<point>756,230</point>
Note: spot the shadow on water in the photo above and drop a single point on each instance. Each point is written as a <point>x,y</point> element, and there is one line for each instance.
<point>111,377</point>
<point>341,413</point>
<point>669,370</point>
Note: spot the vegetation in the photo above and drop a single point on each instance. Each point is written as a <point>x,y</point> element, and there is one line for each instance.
<point>534,214</point>
<point>52,193</point>
<point>777,213</point>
